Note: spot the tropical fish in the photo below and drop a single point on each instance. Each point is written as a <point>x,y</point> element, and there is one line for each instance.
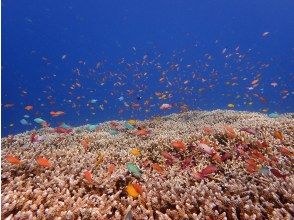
<point>285,151</point>
<point>13,160</point>
<point>88,176</point>
<point>91,127</point>
<point>179,145</point>
<point>157,167</point>
<point>57,113</point>
<point>134,169</point>
<point>100,159</point>
<point>39,120</point>
<point>62,130</point>
<point>278,135</point>
<point>138,187</point>
<point>205,148</point>
<point>129,126</point>
<point>24,122</point>
<point>132,122</point>
<point>277,173</point>
<point>111,168</point>
<point>85,144</point>
<point>264,170</point>
<point>142,132</point>
<point>248,130</point>
<point>186,162</point>
<point>132,191</point>
<point>135,151</point>
<point>230,132</point>
<point>205,172</point>
<point>33,137</point>
<point>167,155</point>
<point>251,166</point>
<point>29,107</point>
<point>42,161</point>
<point>165,107</point>
<point>231,105</point>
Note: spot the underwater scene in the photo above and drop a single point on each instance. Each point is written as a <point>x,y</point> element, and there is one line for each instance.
<point>147,110</point>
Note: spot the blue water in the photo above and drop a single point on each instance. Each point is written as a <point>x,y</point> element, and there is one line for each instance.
<point>58,56</point>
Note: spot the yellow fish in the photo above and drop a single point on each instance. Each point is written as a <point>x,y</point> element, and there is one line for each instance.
<point>99,159</point>
<point>135,152</point>
<point>132,122</point>
<point>132,191</point>
<point>231,105</point>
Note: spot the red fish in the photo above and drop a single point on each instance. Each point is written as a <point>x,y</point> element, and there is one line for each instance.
<point>277,173</point>
<point>167,155</point>
<point>88,176</point>
<point>57,113</point>
<point>187,162</point>
<point>251,166</point>
<point>230,132</point>
<point>226,156</point>
<point>28,107</point>
<point>138,187</point>
<point>179,145</point>
<point>61,130</point>
<point>248,130</point>
<point>157,167</point>
<point>111,168</point>
<point>205,172</point>
<point>33,137</point>
<point>285,151</point>
<point>258,155</point>
<point>42,161</point>
<point>13,160</point>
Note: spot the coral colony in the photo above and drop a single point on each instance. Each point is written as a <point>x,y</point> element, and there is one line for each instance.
<point>192,165</point>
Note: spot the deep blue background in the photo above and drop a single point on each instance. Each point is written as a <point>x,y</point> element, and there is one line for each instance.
<point>117,34</point>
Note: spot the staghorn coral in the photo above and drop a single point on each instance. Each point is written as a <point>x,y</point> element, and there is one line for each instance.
<point>61,192</point>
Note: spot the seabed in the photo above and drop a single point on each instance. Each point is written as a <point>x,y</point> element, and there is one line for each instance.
<point>193,165</point>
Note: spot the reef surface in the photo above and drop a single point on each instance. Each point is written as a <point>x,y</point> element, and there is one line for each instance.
<point>193,165</point>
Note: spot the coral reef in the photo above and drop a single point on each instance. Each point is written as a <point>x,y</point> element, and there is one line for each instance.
<point>252,176</point>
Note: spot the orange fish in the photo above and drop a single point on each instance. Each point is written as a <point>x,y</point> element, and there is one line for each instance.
<point>258,155</point>
<point>29,107</point>
<point>111,168</point>
<point>13,159</point>
<point>42,161</point>
<point>230,132</point>
<point>142,132</point>
<point>278,135</point>
<point>157,167</point>
<point>208,170</point>
<point>55,114</point>
<point>251,166</point>
<point>138,187</point>
<point>88,176</point>
<point>85,144</point>
<point>179,145</point>
<point>285,151</point>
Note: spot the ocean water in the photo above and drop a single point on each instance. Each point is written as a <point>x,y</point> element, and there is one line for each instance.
<point>103,60</point>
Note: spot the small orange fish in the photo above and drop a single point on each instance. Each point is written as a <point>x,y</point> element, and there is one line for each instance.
<point>29,107</point>
<point>13,160</point>
<point>42,161</point>
<point>230,132</point>
<point>278,135</point>
<point>111,168</point>
<point>57,113</point>
<point>85,144</point>
<point>157,167</point>
<point>142,132</point>
<point>88,176</point>
<point>138,187</point>
<point>251,166</point>
<point>258,155</point>
<point>179,145</point>
<point>285,151</point>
